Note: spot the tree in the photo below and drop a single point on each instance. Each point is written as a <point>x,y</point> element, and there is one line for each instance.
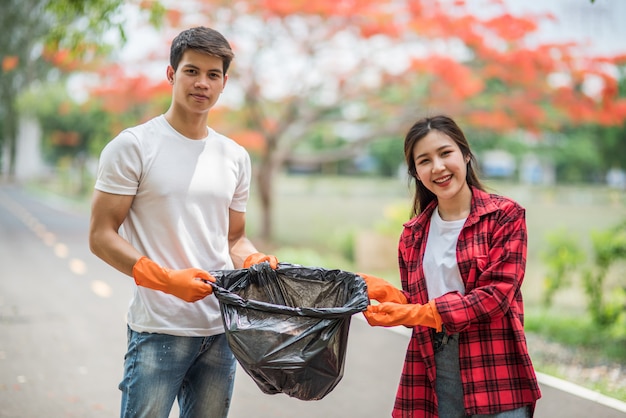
<point>21,20</point>
<point>70,130</point>
<point>128,99</point>
<point>43,39</point>
<point>611,140</point>
<point>366,69</point>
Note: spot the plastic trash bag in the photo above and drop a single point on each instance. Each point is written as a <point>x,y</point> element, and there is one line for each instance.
<point>288,328</point>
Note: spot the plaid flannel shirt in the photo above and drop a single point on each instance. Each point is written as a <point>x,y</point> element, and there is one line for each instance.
<point>496,370</point>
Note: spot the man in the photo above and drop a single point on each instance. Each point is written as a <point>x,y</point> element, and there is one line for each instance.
<point>169,206</point>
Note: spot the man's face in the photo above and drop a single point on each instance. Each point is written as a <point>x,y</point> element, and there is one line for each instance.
<point>198,81</point>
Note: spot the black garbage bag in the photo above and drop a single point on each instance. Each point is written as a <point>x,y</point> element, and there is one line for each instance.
<point>288,328</point>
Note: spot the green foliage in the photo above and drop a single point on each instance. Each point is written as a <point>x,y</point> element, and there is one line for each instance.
<point>482,140</point>
<point>592,345</point>
<point>562,257</point>
<point>80,21</point>
<point>343,243</point>
<point>79,25</point>
<point>70,132</point>
<point>89,126</point>
<point>576,156</point>
<point>322,138</point>
<point>394,217</point>
<point>389,155</point>
<point>585,153</point>
<point>60,116</point>
<point>23,25</point>
<point>311,258</point>
<point>607,307</point>
<point>609,247</point>
<point>611,144</point>
<point>578,331</point>
<point>34,29</point>
<point>569,330</point>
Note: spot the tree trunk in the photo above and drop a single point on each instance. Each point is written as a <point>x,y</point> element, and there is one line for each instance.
<point>265,179</point>
<point>1,154</point>
<point>9,143</point>
<point>12,140</point>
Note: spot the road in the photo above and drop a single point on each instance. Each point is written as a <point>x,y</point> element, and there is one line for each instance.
<point>62,334</point>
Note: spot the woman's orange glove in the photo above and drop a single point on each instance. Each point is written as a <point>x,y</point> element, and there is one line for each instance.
<point>184,284</point>
<point>256,258</point>
<point>390,314</point>
<point>381,290</point>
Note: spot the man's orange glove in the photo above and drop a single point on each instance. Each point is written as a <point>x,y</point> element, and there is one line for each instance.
<point>184,284</point>
<point>390,314</point>
<point>256,258</point>
<point>381,290</point>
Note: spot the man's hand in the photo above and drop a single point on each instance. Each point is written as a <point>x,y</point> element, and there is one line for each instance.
<point>390,314</point>
<point>381,290</point>
<point>185,284</point>
<point>256,258</point>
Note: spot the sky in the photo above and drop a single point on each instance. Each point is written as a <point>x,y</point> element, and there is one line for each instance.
<point>599,25</point>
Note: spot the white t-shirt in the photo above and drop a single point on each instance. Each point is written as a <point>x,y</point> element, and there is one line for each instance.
<point>179,218</point>
<point>440,266</point>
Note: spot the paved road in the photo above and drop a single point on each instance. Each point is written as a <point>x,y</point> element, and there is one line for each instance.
<point>62,334</point>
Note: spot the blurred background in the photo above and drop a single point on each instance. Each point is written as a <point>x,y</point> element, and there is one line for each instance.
<point>321,94</point>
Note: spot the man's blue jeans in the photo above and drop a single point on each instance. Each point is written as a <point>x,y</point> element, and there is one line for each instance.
<point>159,367</point>
<point>449,387</point>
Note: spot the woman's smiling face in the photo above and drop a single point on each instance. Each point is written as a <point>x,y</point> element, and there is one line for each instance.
<point>440,165</point>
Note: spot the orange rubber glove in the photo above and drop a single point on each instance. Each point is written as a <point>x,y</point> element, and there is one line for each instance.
<point>381,290</point>
<point>389,314</point>
<point>184,284</point>
<point>256,258</point>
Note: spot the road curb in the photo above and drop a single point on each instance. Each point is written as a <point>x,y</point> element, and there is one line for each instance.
<point>551,381</point>
<point>580,391</point>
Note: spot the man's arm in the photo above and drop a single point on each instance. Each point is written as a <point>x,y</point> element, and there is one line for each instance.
<point>108,211</point>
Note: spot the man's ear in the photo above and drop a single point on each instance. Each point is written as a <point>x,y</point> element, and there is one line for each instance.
<point>169,73</point>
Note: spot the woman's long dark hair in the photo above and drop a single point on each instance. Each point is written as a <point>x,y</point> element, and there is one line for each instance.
<point>419,130</point>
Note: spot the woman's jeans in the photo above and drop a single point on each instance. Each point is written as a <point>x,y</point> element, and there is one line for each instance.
<point>449,387</point>
<point>159,367</point>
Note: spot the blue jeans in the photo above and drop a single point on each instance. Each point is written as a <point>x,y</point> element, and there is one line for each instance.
<point>449,387</point>
<point>159,367</point>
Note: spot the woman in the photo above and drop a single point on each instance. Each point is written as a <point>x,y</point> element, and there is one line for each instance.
<point>462,259</point>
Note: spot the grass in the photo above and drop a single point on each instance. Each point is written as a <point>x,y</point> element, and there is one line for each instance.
<point>578,331</point>
<point>588,356</point>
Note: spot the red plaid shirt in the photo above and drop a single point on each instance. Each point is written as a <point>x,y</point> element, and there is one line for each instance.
<point>496,370</point>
